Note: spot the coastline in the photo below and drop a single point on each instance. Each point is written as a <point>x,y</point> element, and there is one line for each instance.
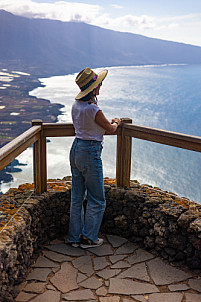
<point>18,109</point>
<point>174,170</point>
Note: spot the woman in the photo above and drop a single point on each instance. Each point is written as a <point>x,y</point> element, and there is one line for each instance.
<point>85,160</point>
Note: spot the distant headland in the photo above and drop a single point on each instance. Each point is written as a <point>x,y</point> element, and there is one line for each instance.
<point>18,109</point>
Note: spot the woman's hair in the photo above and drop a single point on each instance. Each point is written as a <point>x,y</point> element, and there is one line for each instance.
<point>87,97</point>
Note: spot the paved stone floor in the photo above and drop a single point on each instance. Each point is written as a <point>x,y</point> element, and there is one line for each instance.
<point>118,271</point>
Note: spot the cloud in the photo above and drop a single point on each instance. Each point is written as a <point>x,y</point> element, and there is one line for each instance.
<point>128,23</point>
<point>143,21</point>
<point>117,6</point>
<point>181,17</point>
<point>60,10</point>
<point>92,14</point>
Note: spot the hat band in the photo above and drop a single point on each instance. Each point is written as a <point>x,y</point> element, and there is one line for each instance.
<point>89,83</point>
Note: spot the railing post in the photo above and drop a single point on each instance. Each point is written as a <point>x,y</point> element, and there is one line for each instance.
<point>123,160</point>
<point>39,161</point>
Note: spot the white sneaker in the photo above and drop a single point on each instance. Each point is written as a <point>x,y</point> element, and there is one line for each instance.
<point>73,244</point>
<point>86,243</point>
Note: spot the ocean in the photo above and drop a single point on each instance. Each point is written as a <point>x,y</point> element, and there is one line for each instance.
<point>166,97</point>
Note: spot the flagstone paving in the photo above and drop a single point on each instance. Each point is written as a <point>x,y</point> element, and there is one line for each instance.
<point>118,271</point>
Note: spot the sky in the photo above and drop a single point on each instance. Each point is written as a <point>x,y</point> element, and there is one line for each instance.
<point>173,20</point>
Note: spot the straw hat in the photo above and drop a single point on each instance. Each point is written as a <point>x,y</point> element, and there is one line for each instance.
<point>87,80</point>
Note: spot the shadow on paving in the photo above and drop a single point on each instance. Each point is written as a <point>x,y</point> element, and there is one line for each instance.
<point>117,271</point>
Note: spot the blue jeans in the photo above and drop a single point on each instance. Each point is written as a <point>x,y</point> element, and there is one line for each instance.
<point>87,180</point>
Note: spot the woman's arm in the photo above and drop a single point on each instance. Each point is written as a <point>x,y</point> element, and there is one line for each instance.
<point>103,122</point>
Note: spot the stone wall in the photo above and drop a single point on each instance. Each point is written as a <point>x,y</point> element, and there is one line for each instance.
<point>38,220</point>
<point>155,219</point>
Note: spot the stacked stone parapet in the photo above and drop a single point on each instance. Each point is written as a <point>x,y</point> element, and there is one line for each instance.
<point>154,219</point>
<point>157,220</point>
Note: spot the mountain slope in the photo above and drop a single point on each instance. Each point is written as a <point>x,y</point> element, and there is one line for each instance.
<point>55,47</point>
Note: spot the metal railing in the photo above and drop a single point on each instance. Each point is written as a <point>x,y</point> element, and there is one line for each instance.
<point>39,131</point>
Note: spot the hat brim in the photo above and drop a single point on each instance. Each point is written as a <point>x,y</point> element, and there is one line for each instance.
<point>100,78</point>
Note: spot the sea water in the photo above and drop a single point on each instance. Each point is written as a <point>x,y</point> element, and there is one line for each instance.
<point>166,97</point>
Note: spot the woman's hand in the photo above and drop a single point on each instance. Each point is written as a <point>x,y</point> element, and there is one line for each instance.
<point>116,120</point>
